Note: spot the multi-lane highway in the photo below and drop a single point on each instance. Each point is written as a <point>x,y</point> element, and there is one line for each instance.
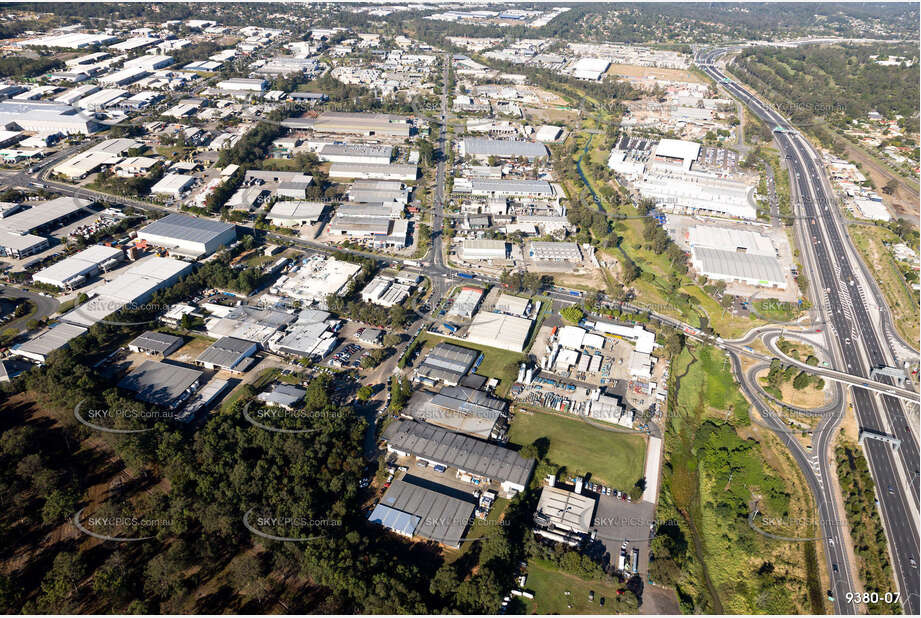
<point>858,343</point>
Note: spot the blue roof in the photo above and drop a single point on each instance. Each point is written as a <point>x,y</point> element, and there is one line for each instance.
<point>398,521</point>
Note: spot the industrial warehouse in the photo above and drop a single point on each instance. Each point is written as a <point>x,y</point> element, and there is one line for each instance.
<point>130,289</point>
<point>736,256</point>
<point>472,458</point>
<point>413,507</point>
<point>75,270</point>
<point>188,236</point>
<point>667,172</point>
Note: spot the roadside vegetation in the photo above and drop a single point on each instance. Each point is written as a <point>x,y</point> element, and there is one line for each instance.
<point>716,471</point>
<point>893,277</point>
<point>867,534</point>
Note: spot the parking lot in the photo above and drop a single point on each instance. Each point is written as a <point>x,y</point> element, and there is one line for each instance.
<point>718,158</point>
<point>625,526</point>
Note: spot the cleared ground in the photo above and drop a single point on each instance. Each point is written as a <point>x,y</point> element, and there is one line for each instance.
<point>612,457</point>
<point>632,70</point>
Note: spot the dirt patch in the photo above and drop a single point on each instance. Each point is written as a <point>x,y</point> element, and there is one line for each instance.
<point>641,72</point>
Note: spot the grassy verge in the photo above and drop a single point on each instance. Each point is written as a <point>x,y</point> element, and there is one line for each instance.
<point>550,585</point>
<point>717,465</point>
<point>902,300</point>
<point>612,457</point>
<point>866,528</point>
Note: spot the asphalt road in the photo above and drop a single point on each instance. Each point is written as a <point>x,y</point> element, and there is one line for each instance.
<point>855,341</point>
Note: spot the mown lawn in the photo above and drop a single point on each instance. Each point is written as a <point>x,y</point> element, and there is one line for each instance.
<point>549,585</point>
<point>616,458</point>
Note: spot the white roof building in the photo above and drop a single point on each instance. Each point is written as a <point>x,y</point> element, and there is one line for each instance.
<point>872,209</point>
<point>73,271</point>
<point>316,278</point>
<point>130,288</point>
<point>466,301</point>
<point>676,152</point>
<point>591,69</point>
<point>729,239</point>
<point>173,185</point>
<point>730,266</point>
<point>484,249</point>
<point>512,305</point>
<point>296,212</point>
<point>46,118</point>
<point>506,332</point>
<point>186,235</point>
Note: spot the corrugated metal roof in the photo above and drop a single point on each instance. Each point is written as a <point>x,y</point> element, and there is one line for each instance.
<point>451,449</point>
<point>738,265</point>
<point>184,227</point>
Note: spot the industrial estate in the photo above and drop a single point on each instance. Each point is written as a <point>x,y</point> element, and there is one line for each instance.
<point>450,307</point>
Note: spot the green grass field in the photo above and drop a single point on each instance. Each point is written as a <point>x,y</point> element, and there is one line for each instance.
<point>549,586</point>
<point>615,458</point>
<point>712,376</point>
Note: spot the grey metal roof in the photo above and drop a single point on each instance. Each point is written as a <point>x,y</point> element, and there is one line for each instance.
<point>503,147</point>
<point>447,361</point>
<point>418,507</point>
<point>160,383</point>
<point>739,265</point>
<point>398,521</point>
<point>225,352</point>
<point>38,215</point>
<point>453,449</point>
<point>283,394</point>
<point>156,342</point>
<point>374,150</point>
<point>458,408</point>
<point>55,337</point>
<point>184,227</point>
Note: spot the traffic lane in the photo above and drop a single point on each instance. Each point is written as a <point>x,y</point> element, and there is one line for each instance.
<point>852,356</point>
<point>827,509</point>
<point>44,306</point>
<point>892,409</point>
<point>893,505</point>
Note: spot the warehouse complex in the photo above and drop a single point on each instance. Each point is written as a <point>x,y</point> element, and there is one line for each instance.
<point>731,255</point>
<point>461,409</point>
<point>414,507</point>
<point>17,239</point>
<point>56,337</point>
<point>130,289</point>
<point>314,279</point>
<point>497,330</point>
<point>483,148</point>
<point>667,173</point>
<point>46,118</point>
<point>446,363</point>
<point>189,236</point>
<point>74,271</point>
<point>471,457</point>
<point>162,384</point>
